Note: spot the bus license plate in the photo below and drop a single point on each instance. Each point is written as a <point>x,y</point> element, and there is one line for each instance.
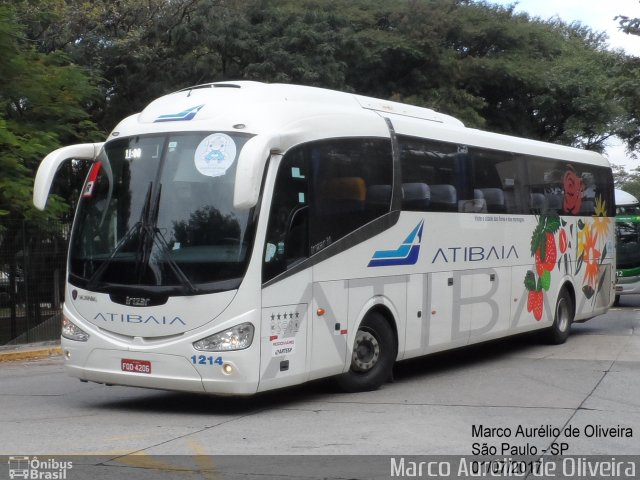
<point>137,366</point>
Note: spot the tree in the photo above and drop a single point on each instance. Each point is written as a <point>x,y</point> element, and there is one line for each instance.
<point>482,63</point>
<point>125,47</point>
<point>629,25</point>
<point>627,181</point>
<point>42,106</point>
<point>627,91</point>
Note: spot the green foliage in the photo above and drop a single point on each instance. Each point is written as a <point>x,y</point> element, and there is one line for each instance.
<point>42,106</point>
<point>69,65</point>
<point>628,181</point>
<point>626,90</point>
<point>530,281</point>
<point>545,280</point>
<point>547,223</point>
<point>629,25</point>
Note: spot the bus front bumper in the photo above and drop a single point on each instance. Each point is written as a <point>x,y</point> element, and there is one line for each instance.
<point>628,286</point>
<point>155,370</point>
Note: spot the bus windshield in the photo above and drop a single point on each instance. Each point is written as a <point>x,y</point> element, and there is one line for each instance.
<point>157,212</point>
<point>628,242</point>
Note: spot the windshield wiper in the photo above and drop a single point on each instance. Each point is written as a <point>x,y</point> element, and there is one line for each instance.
<point>162,244</point>
<point>158,238</point>
<point>150,234</point>
<point>129,233</point>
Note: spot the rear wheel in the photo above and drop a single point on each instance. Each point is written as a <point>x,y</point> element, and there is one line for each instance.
<point>559,331</point>
<point>374,353</point>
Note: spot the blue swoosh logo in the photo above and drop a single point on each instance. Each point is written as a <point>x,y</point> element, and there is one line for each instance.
<point>406,254</point>
<point>182,116</point>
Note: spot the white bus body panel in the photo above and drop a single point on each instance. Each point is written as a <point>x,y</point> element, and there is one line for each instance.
<point>286,330</point>
<point>178,315</point>
<point>468,285</point>
<point>172,368</point>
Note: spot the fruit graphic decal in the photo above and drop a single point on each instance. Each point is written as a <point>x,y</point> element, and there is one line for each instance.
<point>592,248</point>
<point>575,246</point>
<point>565,234</point>
<point>545,252</point>
<point>534,303</point>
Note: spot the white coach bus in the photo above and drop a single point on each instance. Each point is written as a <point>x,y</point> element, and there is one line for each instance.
<point>238,237</point>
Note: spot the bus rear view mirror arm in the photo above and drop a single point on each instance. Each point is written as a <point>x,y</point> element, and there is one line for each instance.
<point>51,164</point>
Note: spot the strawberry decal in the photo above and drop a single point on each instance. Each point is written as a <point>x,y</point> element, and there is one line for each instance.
<point>544,250</point>
<point>534,304</point>
<point>549,262</point>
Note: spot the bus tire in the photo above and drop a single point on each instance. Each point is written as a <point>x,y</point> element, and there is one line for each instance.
<point>616,301</point>
<point>563,318</point>
<point>374,353</point>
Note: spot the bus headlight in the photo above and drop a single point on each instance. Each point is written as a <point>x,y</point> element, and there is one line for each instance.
<point>234,338</point>
<point>72,332</point>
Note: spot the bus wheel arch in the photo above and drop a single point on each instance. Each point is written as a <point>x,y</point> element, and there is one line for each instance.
<point>563,315</point>
<point>373,353</point>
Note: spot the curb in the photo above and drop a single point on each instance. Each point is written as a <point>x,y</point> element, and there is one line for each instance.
<point>30,352</point>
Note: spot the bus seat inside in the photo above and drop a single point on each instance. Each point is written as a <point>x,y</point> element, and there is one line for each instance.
<point>416,196</point>
<point>379,196</point>
<point>444,197</point>
<point>553,202</point>
<point>346,194</point>
<point>536,203</point>
<point>494,198</point>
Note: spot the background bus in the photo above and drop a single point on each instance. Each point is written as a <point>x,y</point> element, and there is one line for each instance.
<point>238,237</point>
<point>627,244</point>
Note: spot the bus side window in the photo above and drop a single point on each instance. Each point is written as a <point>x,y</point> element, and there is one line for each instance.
<point>350,186</point>
<point>568,189</point>
<point>429,175</point>
<point>544,185</point>
<point>499,178</point>
<point>287,240</point>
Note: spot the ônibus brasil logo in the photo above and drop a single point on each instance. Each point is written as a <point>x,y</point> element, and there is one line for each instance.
<point>406,254</point>
<point>33,468</point>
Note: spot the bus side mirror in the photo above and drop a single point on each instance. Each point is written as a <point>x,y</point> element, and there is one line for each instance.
<point>51,164</point>
<point>251,165</point>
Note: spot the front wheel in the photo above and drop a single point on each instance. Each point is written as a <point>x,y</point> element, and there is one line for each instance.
<point>374,353</point>
<point>559,331</point>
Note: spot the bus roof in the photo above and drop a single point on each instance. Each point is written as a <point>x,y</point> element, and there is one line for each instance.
<point>625,199</point>
<point>293,114</point>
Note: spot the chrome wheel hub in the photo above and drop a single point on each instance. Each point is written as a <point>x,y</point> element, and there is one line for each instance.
<point>366,352</point>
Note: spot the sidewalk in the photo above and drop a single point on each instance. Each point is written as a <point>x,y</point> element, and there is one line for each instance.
<point>30,351</point>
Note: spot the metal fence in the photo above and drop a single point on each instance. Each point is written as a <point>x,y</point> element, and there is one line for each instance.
<point>32,269</point>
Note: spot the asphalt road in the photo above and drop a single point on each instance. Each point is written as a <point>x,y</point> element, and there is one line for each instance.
<point>583,397</point>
